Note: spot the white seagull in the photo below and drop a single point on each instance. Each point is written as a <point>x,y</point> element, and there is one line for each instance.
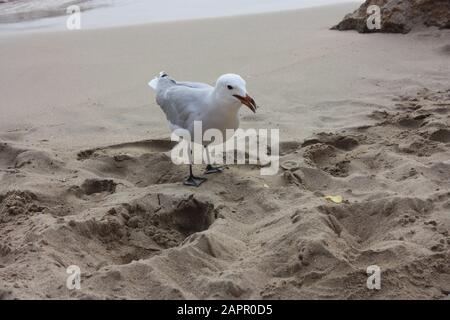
<point>216,107</point>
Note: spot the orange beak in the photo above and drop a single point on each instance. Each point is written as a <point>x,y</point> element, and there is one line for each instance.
<point>248,101</point>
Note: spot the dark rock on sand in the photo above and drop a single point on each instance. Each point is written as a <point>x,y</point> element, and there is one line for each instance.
<point>399,16</point>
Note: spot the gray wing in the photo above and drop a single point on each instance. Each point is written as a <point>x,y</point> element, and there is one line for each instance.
<point>195,85</point>
<point>181,102</point>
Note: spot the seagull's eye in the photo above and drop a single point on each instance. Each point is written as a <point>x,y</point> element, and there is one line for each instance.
<point>229,87</point>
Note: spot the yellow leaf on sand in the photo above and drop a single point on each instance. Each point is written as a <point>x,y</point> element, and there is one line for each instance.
<point>335,199</point>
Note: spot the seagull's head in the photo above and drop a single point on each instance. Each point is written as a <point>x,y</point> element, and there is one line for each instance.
<point>231,87</point>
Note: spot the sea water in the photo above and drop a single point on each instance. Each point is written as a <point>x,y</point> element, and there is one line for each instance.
<point>112,13</point>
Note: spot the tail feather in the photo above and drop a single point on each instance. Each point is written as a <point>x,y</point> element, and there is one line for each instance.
<point>154,83</point>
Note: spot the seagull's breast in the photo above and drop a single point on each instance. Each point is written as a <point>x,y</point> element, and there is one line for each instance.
<point>221,117</point>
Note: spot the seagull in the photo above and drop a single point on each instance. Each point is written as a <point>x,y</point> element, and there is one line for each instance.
<point>216,107</point>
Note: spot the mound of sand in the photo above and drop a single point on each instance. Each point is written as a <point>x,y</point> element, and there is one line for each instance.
<point>399,16</point>
<point>122,215</point>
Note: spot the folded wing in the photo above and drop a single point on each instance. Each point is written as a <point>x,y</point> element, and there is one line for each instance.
<point>180,101</point>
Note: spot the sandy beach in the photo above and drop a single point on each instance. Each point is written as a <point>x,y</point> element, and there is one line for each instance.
<point>85,178</point>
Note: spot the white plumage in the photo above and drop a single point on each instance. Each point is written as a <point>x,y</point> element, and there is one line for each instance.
<point>217,107</point>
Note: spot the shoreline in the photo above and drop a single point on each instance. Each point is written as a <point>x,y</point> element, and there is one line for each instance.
<point>102,16</point>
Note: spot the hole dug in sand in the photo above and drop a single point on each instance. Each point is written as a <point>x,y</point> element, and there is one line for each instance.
<point>331,152</point>
<point>142,163</point>
<point>91,186</point>
<point>374,220</point>
<point>441,135</point>
<point>142,227</point>
<point>17,203</point>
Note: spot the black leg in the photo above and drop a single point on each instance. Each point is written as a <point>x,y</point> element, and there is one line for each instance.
<point>209,168</point>
<point>192,180</point>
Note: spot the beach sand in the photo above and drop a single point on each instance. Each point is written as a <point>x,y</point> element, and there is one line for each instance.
<point>86,180</point>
